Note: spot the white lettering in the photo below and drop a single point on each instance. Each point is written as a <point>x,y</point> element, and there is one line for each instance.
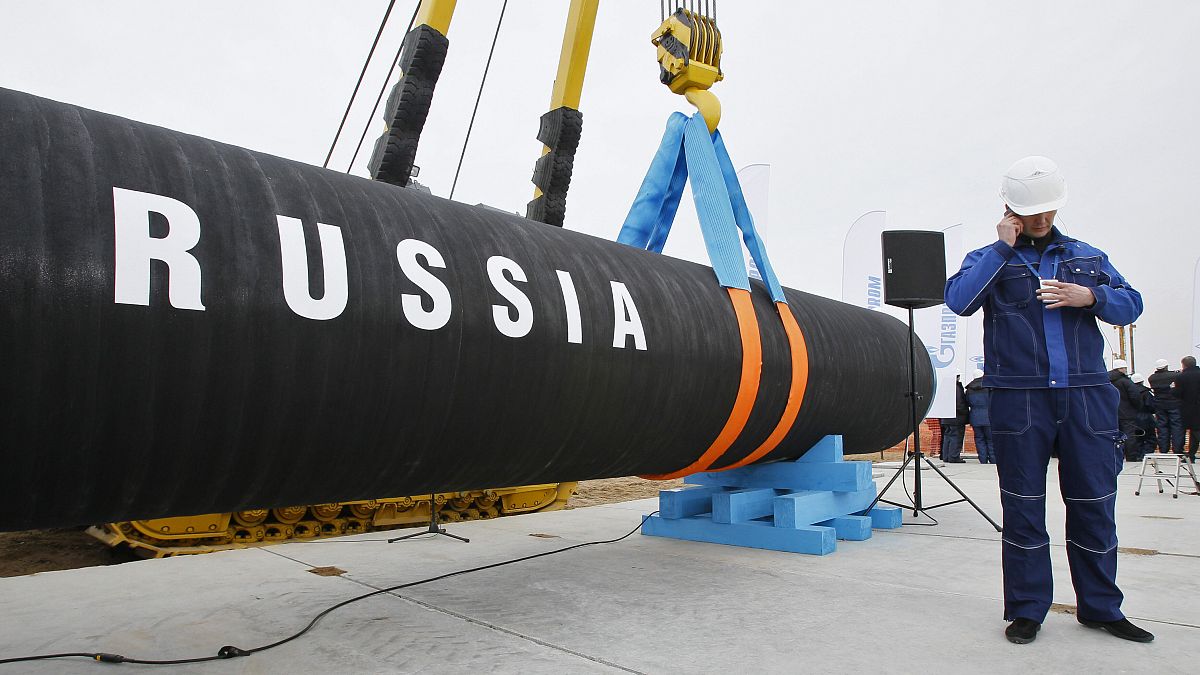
<point>571,303</point>
<point>135,248</point>
<point>439,314</point>
<point>430,308</point>
<point>507,325</point>
<point>297,288</point>
<point>626,321</point>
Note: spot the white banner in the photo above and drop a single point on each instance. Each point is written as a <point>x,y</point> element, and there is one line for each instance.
<point>1195,348</point>
<point>862,265</point>
<point>940,330</point>
<point>972,327</point>
<point>937,327</point>
<point>755,180</point>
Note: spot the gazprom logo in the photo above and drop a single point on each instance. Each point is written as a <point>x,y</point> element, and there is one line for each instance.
<point>874,292</point>
<point>942,353</point>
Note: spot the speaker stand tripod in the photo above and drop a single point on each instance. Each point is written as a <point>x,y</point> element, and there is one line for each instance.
<point>915,456</point>
<point>434,528</point>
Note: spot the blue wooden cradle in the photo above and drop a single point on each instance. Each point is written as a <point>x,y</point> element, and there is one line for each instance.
<point>802,506</point>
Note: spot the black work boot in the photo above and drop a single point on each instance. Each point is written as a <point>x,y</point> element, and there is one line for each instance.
<point>1122,629</point>
<point>1022,631</point>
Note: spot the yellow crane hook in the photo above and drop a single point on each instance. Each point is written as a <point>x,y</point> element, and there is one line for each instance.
<point>689,60</point>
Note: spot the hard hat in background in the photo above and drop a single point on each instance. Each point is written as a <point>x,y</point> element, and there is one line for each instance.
<point>1160,364</point>
<point>1119,363</point>
<point>978,373</point>
<point>1033,185</point>
<point>1137,378</point>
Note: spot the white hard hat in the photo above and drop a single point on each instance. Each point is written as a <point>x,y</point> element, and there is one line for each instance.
<point>1033,185</point>
<point>1137,378</point>
<point>1160,364</point>
<point>1119,363</point>
<point>978,373</point>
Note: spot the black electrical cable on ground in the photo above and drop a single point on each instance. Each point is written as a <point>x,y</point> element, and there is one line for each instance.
<point>229,651</point>
<point>357,84</point>
<point>386,78</point>
<point>478,96</point>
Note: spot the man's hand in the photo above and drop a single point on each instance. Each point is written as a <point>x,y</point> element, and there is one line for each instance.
<point>1009,228</point>
<point>1057,294</point>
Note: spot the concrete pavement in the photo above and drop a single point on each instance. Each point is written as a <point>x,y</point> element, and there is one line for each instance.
<point>917,599</point>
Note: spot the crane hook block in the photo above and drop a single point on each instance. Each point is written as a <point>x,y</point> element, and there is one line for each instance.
<point>689,60</point>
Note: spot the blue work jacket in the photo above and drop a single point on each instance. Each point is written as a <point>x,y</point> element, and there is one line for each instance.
<point>1025,345</point>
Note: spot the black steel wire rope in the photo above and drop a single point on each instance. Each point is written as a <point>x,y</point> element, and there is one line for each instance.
<point>478,97</point>
<point>361,74</point>
<point>386,78</point>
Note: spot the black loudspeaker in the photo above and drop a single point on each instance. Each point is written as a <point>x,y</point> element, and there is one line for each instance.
<point>914,268</point>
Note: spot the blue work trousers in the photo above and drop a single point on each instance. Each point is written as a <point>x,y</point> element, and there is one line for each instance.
<point>983,443</point>
<point>952,442</point>
<point>1170,430</point>
<point>1081,424</point>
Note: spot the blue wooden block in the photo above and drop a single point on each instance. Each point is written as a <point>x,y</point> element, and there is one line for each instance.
<point>886,517</point>
<point>836,476</point>
<point>684,502</point>
<point>850,528</point>
<point>806,507</point>
<point>735,506</point>
<point>799,506</point>
<point>828,449</point>
<point>753,534</point>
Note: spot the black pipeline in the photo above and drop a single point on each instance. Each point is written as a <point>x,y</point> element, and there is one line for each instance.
<point>191,327</point>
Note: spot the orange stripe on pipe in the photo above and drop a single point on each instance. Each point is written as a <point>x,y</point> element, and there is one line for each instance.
<point>795,393</point>
<point>743,308</point>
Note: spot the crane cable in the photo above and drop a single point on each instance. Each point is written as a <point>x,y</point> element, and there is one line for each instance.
<point>383,87</point>
<point>478,96</point>
<point>706,7</point>
<point>358,84</point>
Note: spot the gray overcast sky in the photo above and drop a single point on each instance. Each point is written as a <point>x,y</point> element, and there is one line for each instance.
<point>910,107</point>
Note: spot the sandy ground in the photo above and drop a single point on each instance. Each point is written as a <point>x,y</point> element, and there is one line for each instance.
<point>45,550</point>
<point>609,490</point>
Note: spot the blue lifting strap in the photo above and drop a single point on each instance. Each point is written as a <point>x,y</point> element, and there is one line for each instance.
<point>686,150</point>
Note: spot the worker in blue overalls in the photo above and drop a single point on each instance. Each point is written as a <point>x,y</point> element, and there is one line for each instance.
<point>1041,293</point>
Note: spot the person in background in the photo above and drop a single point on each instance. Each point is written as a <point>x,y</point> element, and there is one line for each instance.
<point>1144,423</point>
<point>1130,402</point>
<point>981,426</point>
<point>1166,408</point>
<point>1187,389</point>
<point>954,427</point>
<point>1041,292</point>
